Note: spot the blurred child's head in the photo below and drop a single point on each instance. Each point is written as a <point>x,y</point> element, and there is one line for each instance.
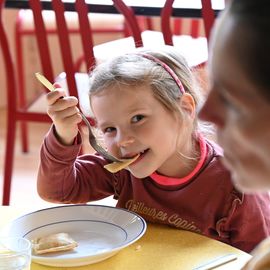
<point>239,100</point>
<point>140,107</point>
<point>252,23</point>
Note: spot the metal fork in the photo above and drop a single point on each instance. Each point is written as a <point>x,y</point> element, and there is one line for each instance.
<point>92,139</point>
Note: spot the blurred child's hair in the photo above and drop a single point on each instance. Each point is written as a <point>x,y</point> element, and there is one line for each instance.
<point>252,43</point>
<point>136,70</point>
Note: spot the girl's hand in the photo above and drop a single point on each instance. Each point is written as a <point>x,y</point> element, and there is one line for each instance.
<point>64,113</point>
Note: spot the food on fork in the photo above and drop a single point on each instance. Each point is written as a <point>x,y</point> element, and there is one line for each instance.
<point>117,166</point>
<point>53,243</point>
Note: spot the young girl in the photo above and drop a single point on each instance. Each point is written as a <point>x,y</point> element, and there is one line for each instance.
<point>145,103</point>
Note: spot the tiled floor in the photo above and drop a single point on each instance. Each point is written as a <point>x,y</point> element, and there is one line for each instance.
<point>25,167</point>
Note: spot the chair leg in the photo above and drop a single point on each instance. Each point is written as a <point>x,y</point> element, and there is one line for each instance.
<point>10,146</point>
<point>24,137</point>
<point>21,84</point>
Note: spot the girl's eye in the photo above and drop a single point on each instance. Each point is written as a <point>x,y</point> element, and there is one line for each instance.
<point>108,130</point>
<point>137,118</point>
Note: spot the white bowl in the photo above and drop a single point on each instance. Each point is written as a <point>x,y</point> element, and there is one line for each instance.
<point>101,231</point>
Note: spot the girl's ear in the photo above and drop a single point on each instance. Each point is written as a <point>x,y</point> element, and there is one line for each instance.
<point>187,104</point>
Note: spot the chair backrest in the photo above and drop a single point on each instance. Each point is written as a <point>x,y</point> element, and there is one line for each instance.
<point>8,64</point>
<point>131,21</point>
<point>86,36</point>
<point>208,17</point>
<point>180,28</point>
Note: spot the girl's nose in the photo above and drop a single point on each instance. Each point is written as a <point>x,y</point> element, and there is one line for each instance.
<point>124,139</point>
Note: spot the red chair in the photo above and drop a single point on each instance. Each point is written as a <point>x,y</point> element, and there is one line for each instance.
<point>17,113</point>
<point>193,29</point>
<point>14,114</point>
<point>194,48</point>
<point>116,26</point>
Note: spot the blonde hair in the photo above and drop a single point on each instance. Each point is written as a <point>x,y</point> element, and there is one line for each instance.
<point>134,69</point>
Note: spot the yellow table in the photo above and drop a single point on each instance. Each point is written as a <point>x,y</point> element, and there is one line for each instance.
<point>160,248</point>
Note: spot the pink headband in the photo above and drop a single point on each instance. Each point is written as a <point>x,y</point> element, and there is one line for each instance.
<point>167,68</point>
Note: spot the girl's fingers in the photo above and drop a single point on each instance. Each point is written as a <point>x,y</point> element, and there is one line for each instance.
<point>63,104</point>
<point>61,117</point>
<point>70,121</point>
<point>57,85</point>
<point>73,119</point>
<point>55,95</point>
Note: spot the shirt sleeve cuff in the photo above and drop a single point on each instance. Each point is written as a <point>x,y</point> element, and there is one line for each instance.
<point>59,150</point>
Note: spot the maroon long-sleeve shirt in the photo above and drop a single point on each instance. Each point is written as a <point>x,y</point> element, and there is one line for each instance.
<point>207,203</point>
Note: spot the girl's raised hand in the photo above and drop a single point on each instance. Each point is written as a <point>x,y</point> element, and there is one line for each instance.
<point>64,113</point>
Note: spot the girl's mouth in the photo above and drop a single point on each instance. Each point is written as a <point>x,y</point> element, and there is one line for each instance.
<point>142,155</point>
